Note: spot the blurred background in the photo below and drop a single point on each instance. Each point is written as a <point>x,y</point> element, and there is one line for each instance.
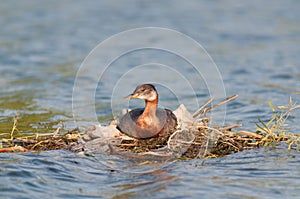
<point>254,45</point>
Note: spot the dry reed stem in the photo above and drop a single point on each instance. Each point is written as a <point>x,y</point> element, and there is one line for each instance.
<point>219,104</point>
<point>202,107</point>
<point>228,128</point>
<point>13,149</point>
<point>14,128</point>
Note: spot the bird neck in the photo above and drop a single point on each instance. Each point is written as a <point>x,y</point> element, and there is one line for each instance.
<point>148,117</point>
<point>150,108</point>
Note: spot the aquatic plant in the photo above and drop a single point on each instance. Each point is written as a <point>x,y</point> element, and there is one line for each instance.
<point>275,130</point>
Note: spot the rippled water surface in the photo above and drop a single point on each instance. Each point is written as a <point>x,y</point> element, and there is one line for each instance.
<point>255,46</point>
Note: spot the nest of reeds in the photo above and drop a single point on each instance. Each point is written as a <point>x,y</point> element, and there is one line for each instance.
<point>193,139</point>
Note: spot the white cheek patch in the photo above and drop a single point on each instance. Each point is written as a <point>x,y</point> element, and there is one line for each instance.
<point>153,96</point>
<point>142,97</point>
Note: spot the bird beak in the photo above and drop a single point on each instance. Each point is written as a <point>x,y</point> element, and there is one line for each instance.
<point>131,96</point>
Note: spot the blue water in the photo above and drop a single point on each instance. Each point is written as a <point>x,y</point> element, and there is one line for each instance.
<point>60,174</point>
<point>255,46</point>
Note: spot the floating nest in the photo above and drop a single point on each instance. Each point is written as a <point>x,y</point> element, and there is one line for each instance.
<point>193,139</point>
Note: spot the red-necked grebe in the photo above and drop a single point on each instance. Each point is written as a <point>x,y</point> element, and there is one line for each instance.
<point>150,121</point>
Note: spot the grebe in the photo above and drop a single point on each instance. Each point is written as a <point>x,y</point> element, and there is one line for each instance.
<point>150,121</point>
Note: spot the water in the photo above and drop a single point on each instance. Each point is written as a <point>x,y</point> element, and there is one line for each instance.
<point>255,46</point>
<point>59,174</point>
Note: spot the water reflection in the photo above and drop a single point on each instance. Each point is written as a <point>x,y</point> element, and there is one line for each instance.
<point>144,185</point>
